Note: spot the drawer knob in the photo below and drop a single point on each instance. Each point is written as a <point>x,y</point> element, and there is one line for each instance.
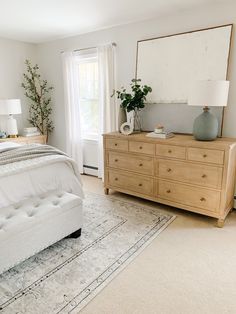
<point>140,184</point>
<point>140,147</point>
<point>140,165</point>
<point>202,199</point>
<point>116,144</point>
<point>169,151</point>
<point>116,179</point>
<point>169,170</point>
<point>204,176</point>
<point>116,160</point>
<point>168,191</point>
<point>205,155</point>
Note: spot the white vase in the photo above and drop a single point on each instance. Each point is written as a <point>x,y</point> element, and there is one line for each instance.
<point>122,117</point>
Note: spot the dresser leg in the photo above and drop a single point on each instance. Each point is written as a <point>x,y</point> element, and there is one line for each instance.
<point>106,191</point>
<point>220,223</point>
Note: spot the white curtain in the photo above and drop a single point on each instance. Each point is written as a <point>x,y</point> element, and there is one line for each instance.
<point>74,144</point>
<point>108,107</point>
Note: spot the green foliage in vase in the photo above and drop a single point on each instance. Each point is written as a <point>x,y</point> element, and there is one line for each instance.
<point>136,99</point>
<point>38,91</point>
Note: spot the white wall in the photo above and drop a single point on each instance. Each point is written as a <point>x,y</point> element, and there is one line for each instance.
<point>12,56</point>
<point>126,38</point>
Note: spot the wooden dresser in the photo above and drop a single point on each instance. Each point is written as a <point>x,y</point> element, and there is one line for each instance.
<point>39,139</point>
<point>180,171</point>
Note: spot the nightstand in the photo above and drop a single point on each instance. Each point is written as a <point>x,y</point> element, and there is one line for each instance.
<point>39,139</point>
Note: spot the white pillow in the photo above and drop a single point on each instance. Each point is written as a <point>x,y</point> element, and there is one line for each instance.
<point>5,146</point>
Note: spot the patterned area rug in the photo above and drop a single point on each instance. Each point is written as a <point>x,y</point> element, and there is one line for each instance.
<point>67,275</point>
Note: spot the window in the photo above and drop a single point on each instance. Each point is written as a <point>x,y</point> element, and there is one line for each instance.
<point>88,95</point>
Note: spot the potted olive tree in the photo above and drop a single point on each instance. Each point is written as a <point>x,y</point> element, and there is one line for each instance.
<point>38,92</point>
<point>134,101</point>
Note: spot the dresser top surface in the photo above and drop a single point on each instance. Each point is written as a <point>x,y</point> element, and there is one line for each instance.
<point>21,138</point>
<point>178,139</point>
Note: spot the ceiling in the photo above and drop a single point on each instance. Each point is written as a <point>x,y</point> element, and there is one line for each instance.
<point>37,21</point>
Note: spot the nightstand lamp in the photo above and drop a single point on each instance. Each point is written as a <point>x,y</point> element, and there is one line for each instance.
<point>207,94</point>
<point>10,107</point>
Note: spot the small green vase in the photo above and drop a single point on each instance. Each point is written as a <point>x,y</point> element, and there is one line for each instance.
<point>205,127</point>
<point>137,120</point>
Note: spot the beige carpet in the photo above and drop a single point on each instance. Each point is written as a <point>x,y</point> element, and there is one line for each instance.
<point>190,268</point>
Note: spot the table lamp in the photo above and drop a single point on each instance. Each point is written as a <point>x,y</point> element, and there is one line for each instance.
<point>10,107</point>
<point>207,93</point>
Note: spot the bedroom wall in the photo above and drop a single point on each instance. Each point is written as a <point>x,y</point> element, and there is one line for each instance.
<point>126,36</point>
<point>12,56</point>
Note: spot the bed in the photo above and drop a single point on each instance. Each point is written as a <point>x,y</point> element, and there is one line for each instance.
<point>24,177</point>
<point>40,200</point>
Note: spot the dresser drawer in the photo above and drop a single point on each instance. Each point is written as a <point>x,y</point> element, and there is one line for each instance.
<point>140,184</point>
<point>170,151</point>
<point>208,176</point>
<point>206,155</point>
<point>117,144</point>
<point>140,164</point>
<point>142,147</point>
<point>202,198</point>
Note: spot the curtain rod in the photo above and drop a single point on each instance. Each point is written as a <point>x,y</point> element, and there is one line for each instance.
<point>75,50</point>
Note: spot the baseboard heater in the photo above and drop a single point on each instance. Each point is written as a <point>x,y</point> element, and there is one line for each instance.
<point>93,171</point>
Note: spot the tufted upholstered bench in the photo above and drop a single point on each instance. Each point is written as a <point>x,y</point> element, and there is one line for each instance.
<point>36,223</point>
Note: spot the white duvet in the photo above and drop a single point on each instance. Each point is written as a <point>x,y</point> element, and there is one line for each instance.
<point>24,179</point>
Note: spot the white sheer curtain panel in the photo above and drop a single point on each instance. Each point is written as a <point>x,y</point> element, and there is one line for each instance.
<point>74,144</point>
<point>108,107</point>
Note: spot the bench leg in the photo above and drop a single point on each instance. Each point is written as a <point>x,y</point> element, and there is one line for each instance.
<point>75,234</point>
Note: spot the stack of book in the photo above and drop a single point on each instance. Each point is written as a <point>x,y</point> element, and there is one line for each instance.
<point>32,131</point>
<point>160,135</point>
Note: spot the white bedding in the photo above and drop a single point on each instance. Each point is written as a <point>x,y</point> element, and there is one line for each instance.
<point>4,146</point>
<point>21,180</point>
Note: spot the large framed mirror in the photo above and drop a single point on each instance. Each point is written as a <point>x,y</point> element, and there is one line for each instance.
<point>169,64</point>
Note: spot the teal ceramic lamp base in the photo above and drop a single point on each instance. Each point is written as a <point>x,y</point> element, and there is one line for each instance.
<point>205,127</point>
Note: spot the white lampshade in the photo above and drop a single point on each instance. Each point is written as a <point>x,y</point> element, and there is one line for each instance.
<point>209,93</point>
<point>10,106</point>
